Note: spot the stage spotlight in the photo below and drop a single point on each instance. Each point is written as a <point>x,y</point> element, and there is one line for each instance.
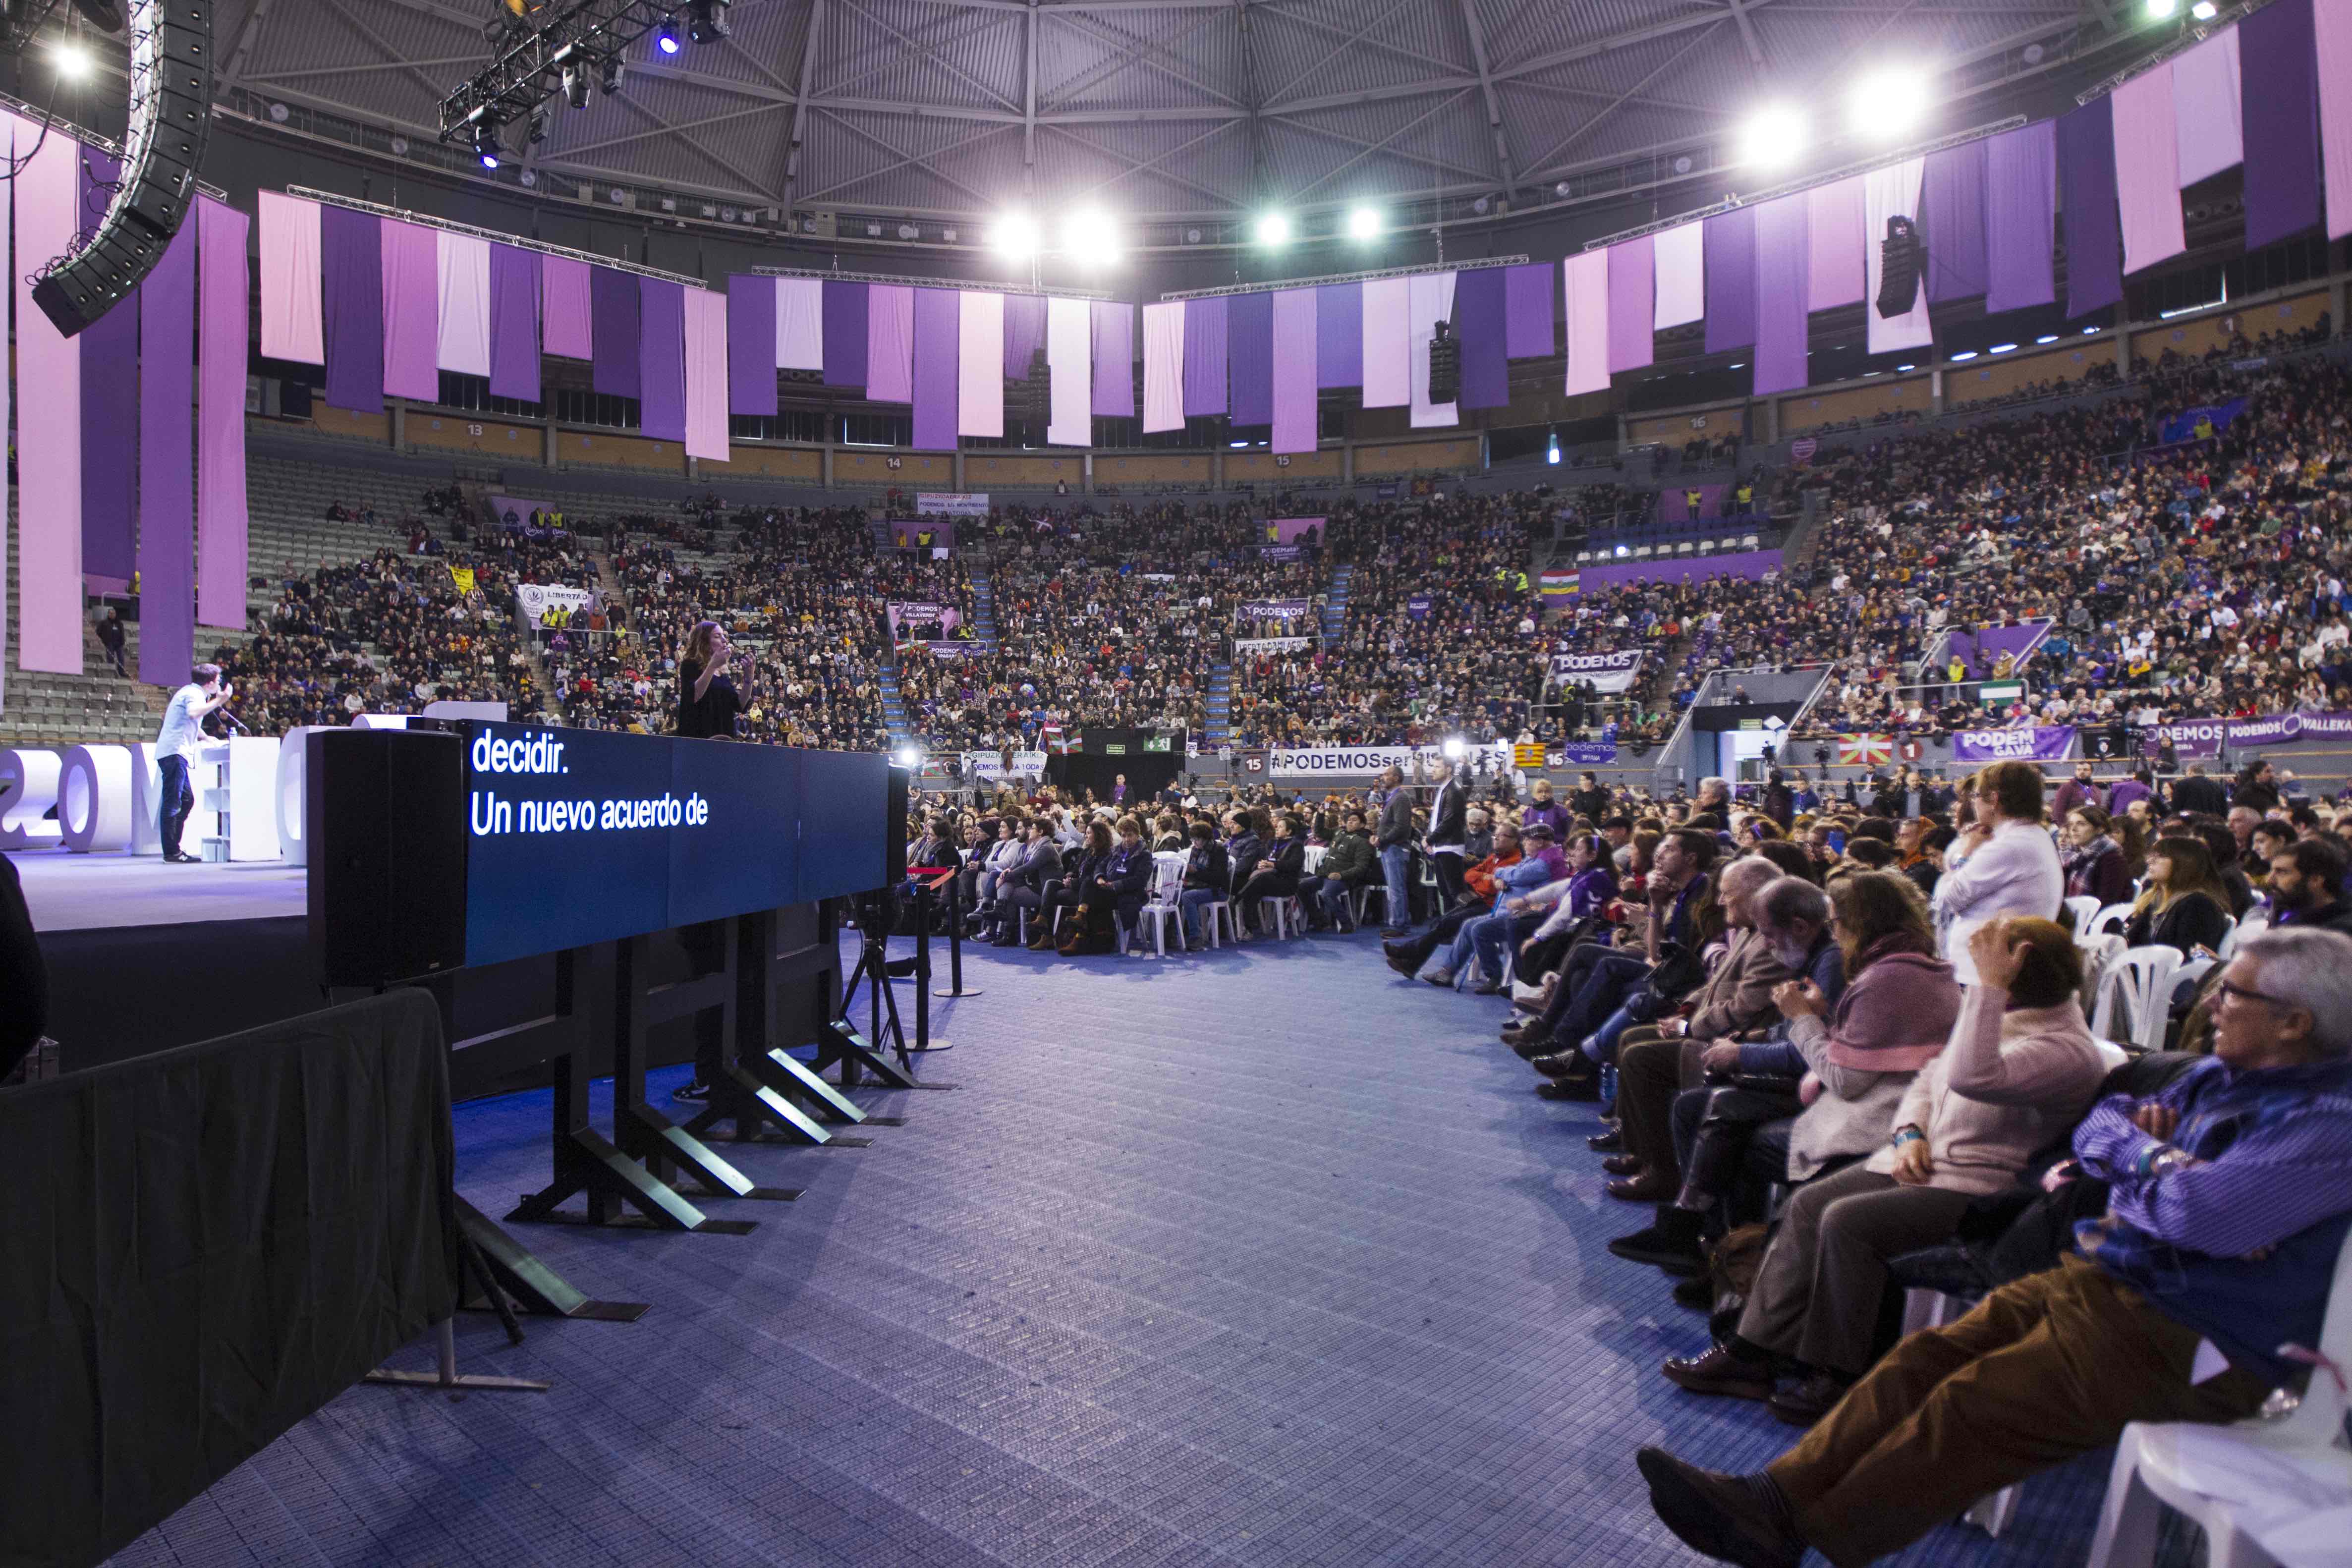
<point>707,21</point>
<point>616,71</point>
<point>907,757</point>
<point>1453,748</point>
<point>2158,10</point>
<point>71,61</point>
<point>666,36</point>
<point>486,145</point>
<point>1273,229</point>
<point>1772,136</point>
<point>1888,104</point>
<point>2204,10</point>
<point>537,131</point>
<point>1551,452</point>
<point>1364,223</point>
<point>1091,239</point>
<point>1015,235</point>
<point>575,87</point>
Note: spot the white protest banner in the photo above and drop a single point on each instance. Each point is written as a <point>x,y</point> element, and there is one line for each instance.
<point>1604,672</point>
<point>1271,645</point>
<point>537,597</point>
<point>952,504</point>
<point>989,767</point>
<point>1324,761</point>
<point>1273,609</point>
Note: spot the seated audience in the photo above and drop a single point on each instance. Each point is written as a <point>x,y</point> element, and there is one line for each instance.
<point>2184,905</point>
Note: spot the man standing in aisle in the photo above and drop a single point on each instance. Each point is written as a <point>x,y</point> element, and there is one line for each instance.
<point>1449,833</point>
<point>1394,844</point>
<point>175,750</point>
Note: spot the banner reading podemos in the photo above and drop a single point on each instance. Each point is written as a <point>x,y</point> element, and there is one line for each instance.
<point>2044,743</point>
<point>1603,672</point>
<point>1325,761</point>
<point>914,622</point>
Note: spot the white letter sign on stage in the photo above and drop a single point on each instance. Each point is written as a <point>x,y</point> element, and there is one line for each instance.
<point>146,800</point>
<point>29,787</point>
<point>94,799</point>
<point>293,848</point>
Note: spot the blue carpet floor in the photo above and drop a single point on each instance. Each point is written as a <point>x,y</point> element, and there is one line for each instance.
<point>1260,1258</point>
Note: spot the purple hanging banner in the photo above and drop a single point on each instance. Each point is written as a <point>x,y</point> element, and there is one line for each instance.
<point>845,334</point>
<point>616,303</point>
<point>514,322</point>
<point>1479,312</point>
<point>1295,331</point>
<point>110,416</point>
<point>2094,238</point>
<point>412,312</point>
<point>2020,207</point>
<point>889,344</point>
<point>225,310</point>
<point>1952,217</point>
<point>939,350</point>
<point>1633,304</point>
<point>1783,242</point>
<point>167,465</point>
<point>1205,323</point>
<point>2278,84</point>
<point>1339,335</point>
<point>1249,357</point>
<point>569,318</point>
<point>661,359</point>
<point>1024,333</point>
<point>1730,246</point>
<point>1114,364</point>
<point>1527,299</point>
<point>351,251</point>
<point>751,345</point>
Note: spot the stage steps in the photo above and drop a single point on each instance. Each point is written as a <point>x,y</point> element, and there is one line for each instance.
<point>96,707</point>
<point>1220,706</point>
<point>1335,605</point>
<point>983,612</point>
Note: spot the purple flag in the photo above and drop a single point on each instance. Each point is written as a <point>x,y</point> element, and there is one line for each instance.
<point>939,348</point>
<point>845,334</point>
<point>412,312</point>
<point>1527,299</point>
<point>1479,311</point>
<point>2095,242</point>
<point>1114,363</point>
<point>1952,217</point>
<point>1731,245</point>
<point>1024,333</point>
<point>225,310</point>
<point>2278,65</point>
<point>514,322</point>
<point>1249,357</point>
<point>1204,355</point>
<point>1294,411</point>
<point>167,465</point>
<point>751,345</point>
<point>2020,205</point>
<point>351,251</point>
<point>110,417</point>
<point>2042,744</point>
<point>1633,304</point>
<point>661,358</point>
<point>1339,335</point>
<point>614,302</point>
<point>1783,243</point>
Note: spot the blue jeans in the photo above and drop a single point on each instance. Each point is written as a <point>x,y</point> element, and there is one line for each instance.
<point>1338,899</point>
<point>1395,860</point>
<point>1489,934</point>
<point>178,800</point>
<point>1600,1046</point>
<point>1193,900</point>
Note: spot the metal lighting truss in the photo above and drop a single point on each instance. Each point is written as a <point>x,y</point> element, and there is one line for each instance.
<point>529,67</point>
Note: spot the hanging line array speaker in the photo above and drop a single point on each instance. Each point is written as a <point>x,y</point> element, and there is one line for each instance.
<point>1445,365</point>
<point>170,116</point>
<point>1900,263</point>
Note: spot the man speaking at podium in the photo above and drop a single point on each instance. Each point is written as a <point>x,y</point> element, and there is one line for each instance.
<point>175,750</point>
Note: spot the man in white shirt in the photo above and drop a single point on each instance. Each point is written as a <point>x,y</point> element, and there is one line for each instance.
<point>175,750</point>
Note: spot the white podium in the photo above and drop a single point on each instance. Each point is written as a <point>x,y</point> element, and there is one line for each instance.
<point>237,780</point>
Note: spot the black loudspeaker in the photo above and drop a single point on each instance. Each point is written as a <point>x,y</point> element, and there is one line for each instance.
<point>894,828</point>
<point>1899,265</point>
<point>171,54</point>
<point>1445,365</point>
<point>378,915</point>
<point>1033,396</point>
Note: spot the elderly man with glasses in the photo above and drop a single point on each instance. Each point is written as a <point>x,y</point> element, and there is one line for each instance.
<point>2200,1289</point>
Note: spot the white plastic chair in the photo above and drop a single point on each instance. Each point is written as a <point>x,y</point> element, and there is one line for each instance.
<point>2119,914</point>
<point>2141,981</point>
<point>1364,897</point>
<point>2151,1467</point>
<point>1315,854</point>
<point>2084,909</point>
<point>2253,923</point>
<point>1161,907</point>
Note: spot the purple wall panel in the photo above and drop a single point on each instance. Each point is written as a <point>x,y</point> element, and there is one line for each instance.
<point>351,251</point>
<point>2021,209</point>
<point>2094,240</point>
<point>514,322</point>
<point>751,345</point>
<point>167,465</point>
<point>2278,66</point>
<point>1479,321</point>
<point>1730,243</point>
<point>1205,323</point>
<point>614,301</point>
<point>1339,335</point>
<point>1249,357</point>
<point>661,358</point>
<point>938,348</point>
<point>845,334</point>
<point>1952,220</point>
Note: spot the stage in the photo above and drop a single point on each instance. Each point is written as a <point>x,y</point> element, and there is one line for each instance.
<point>84,893</point>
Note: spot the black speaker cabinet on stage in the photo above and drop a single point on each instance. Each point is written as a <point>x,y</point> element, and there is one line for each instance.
<point>894,844</point>
<point>398,914</point>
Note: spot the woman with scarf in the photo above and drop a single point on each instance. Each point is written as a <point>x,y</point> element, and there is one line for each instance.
<point>2093,859</point>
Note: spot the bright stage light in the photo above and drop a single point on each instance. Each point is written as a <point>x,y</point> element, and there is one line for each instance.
<point>1889,104</point>
<point>666,36</point>
<point>1273,228</point>
<point>1364,223</point>
<point>71,61</point>
<point>1772,136</point>
<point>907,757</point>
<point>1013,234</point>
<point>1453,748</point>
<point>1091,238</point>
<point>2158,10</point>
<point>2204,10</point>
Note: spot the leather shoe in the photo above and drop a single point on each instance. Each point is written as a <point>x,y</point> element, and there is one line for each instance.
<point>1530,1046</point>
<point>1718,1516</point>
<point>1642,1189</point>
<point>1807,1402</point>
<point>1698,1292</point>
<point>1565,1064</point>
<point>1719,1372</point>
<point>1578,1089</point>
<point>1671,1243</point>
<point>1607,1143</point>
<point>1623,1164</point>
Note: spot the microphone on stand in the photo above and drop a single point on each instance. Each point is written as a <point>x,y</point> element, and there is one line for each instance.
<point>233,718</point>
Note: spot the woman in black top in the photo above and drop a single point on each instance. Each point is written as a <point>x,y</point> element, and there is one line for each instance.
<point>708,702</point>
<point>2184,905</point>
<point>1277,875</point>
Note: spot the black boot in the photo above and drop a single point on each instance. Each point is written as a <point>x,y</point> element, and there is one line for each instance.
<point>1671,1242</point>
